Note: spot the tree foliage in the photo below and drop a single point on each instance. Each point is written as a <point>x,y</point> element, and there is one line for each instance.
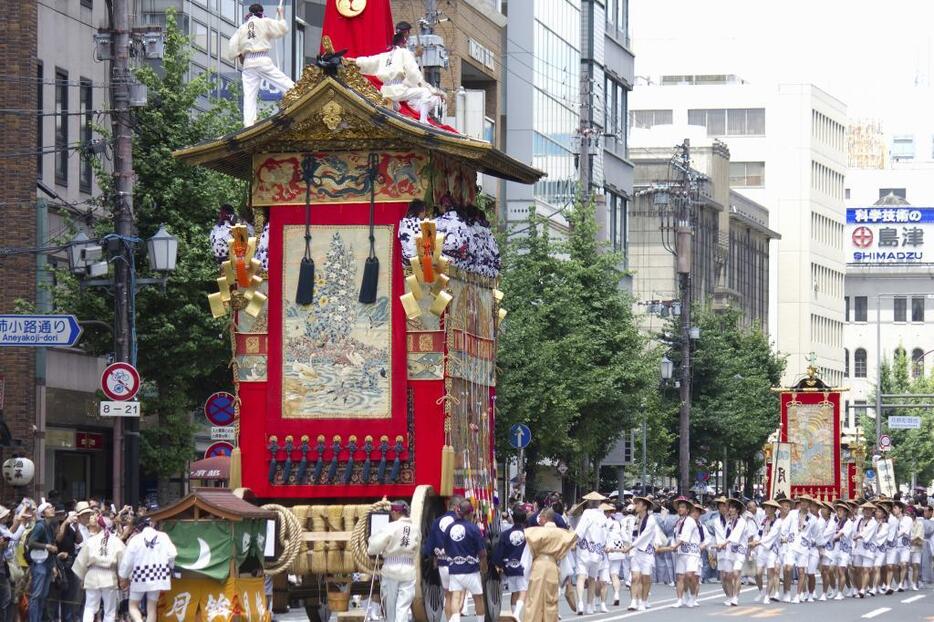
<point>912,450</point>
<point>733,409</point>
<point>183,352</point>
<point>572,363</point>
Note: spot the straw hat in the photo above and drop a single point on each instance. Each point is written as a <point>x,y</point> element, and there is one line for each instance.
<point>606,507</point>
<point>736,503</point>
<point>867,506</point>
<point>721,499</point>
<point>593,496</point>
<point>4,512</point>
<point>83,507</point>
<point>644,500</point>
<point>772,504</point>
<point>700,507</point>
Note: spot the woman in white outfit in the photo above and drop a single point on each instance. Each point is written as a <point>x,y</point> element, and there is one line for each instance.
<point>643,553</point>
<point>251,44</point>
<point>96,567</point>
<point>864,534</point>
<point>767,550</point>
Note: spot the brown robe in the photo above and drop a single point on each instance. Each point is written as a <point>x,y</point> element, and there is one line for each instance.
<point>547,546</point>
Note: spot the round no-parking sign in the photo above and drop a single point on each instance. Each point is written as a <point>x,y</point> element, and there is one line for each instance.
<point>219,408</point>
<point>221,448</point>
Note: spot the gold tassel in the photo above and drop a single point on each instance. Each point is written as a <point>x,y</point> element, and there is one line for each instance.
<point>414,287</point>
<point>440,303</point>
<point>235,480</point>
<point>447,471</point>
<point>411,306</point>
<point>217,305</point>
<point>257,300</point>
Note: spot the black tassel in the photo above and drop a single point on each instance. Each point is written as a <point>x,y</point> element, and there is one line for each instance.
<point>381,469</point>
<point>396,463</point>
<point>370,282</point>
<point>287,469</point>
<point>348,469</point>
<point>332,470</point>
<point>319,464</point>
<point>305,292</point>
<point>303,465</point>
<point>273,464</point>
<point>367,463</point>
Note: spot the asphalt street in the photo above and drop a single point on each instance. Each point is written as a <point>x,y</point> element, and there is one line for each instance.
<point>903,607</point>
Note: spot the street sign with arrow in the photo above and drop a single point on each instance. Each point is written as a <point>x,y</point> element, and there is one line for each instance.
<point>39,330</point>
<point>520,436</point>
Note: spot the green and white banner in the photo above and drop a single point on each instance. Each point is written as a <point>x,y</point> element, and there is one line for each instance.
<point>204,546</point>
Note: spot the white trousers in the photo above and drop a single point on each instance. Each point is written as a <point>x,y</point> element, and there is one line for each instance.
<point>397,597</point>
<point>255,70</point>
<point>93,600</point>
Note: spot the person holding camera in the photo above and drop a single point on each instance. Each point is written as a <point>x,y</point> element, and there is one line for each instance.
<point>42,549</point>
<point>11,530</point>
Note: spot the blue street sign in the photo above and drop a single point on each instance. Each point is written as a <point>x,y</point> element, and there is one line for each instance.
<point>520,436</point>
<point>870,474</point>
<point>39,330</point>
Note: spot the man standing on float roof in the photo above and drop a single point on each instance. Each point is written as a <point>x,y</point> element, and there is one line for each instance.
<point>251,44</point>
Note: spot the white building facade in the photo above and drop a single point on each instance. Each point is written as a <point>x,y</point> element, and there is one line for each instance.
<point>788,151</point>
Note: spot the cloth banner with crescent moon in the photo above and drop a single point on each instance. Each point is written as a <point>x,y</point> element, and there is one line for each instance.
<point>204,546</point>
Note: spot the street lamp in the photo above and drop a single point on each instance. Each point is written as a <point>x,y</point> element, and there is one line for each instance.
<point>667,368</point>
<point>163,250</point>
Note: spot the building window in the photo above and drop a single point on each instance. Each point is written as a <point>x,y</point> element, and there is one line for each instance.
<point>846,308</point>
<point>859,411</point>
<point>616,214</point>
<point>214,50</point>
<point>899,192</point>
<point>299,62</point>
<point>87,120</point>
<point>614,111</point>
<point>859,363</point>
<point>40,103</point>
<point>903,147</point>
<point>650,118</point>
<point>861,310</point>
<point>917,309</point>
<point>199,35</point>
<point>846,363</point>
<point>747,174</point>
<point>898,353</point>
<point>88,4</point>
<point>917,363</point>
<point>61,127</point>
<point>229,10</point>
<point>900,308</point>
<point>729,122</point>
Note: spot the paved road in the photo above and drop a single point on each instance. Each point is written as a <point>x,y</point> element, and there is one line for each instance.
<point>903,607</point>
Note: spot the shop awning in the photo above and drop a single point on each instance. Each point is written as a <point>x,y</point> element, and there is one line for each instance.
<point>213,468</point>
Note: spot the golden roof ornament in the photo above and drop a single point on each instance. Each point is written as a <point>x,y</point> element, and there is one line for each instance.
<point>350,8</point>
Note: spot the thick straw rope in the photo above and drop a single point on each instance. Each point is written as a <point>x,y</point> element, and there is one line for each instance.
<point>290,536</point>
<point>358,539</point>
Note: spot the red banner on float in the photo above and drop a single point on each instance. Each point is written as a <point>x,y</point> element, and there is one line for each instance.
<point>810,423</point>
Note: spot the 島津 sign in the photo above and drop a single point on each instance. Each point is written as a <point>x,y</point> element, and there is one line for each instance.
<point>889,234</point>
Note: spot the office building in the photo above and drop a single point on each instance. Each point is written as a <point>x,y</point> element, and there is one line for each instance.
<point>569,62</point>
<point>731,242</point>
<point>788,151</point>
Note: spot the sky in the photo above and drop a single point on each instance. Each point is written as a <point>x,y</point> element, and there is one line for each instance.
<point>870,55</point>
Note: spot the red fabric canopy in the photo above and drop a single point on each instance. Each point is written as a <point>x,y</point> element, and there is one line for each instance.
<point>366,34</point>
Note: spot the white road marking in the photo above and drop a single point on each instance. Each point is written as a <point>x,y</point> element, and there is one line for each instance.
<point>632,614</point>
<point>876,612</point>
<point>913,598</point>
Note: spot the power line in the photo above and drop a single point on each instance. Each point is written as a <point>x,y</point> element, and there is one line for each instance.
<point>39,113</point>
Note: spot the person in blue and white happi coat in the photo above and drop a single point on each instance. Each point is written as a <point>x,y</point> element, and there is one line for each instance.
<point>507,557</point>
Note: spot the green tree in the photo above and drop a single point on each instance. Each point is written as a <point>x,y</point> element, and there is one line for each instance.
<point>912,450</point>
<point>733,409</point>
<point>183,352</point>
<point>572,363</point>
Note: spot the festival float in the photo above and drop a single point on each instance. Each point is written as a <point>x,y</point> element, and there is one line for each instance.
<point>364,369</point>
<point>804,457</point>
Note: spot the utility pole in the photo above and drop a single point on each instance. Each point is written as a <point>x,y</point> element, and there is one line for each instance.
<point>434,54</point>
<point>685,233</point>
<point>126,433</point>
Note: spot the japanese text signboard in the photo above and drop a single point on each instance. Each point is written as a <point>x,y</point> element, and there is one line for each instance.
<point>889,235</point>
<point>39,330</point>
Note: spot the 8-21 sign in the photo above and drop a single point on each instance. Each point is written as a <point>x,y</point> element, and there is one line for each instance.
<point>119,409</point>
